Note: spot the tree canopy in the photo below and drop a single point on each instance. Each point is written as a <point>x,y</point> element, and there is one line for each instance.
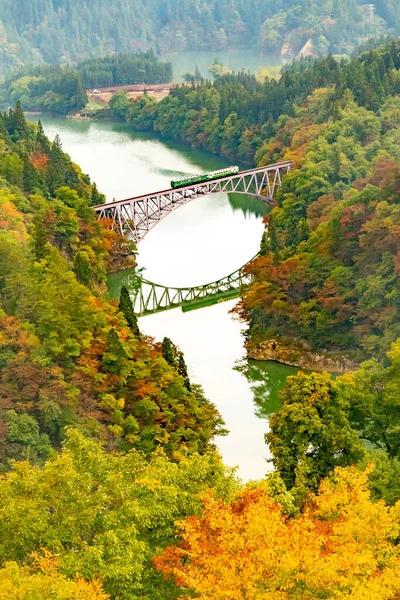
<point>62,31</point>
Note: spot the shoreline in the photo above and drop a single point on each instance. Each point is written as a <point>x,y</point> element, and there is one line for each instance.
<point>301,357</point>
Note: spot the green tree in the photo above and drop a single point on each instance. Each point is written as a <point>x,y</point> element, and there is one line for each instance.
<point>114,356</point>
<point>311,434</point>
<point>169,351</point>
<point>126,307</point>
<point>81,98</point>
<point>39,237</point>
<point>197,75</point>
<point>125,505</point>
<point>182,370</point>
<point>42,141</point>
<point>56,170</point>
<point>372,394</point>
<point>25,439</point>
<point>31,182</point>
<point>265,245</point>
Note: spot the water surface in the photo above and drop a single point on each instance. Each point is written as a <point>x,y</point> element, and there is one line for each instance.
<point>198,243</point>
<point>234,60</point>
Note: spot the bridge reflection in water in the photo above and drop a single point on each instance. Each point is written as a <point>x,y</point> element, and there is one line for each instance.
<point>135,217</point>
<point>149,297</point>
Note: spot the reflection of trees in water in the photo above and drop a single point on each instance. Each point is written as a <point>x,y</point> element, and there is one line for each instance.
<point>248,205</point>
<point>266,380</point>
<point>128,278</point>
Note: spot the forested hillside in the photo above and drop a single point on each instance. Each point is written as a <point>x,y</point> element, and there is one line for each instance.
<point>67,356</point>
<point>49,88</point>
<point>110,488</point>
<point>330,272</point>
<point>62,31</point>
<point>61,90</point>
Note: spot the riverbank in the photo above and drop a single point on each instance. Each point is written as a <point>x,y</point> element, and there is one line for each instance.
<point>156,91</point>
<point>299,355</point>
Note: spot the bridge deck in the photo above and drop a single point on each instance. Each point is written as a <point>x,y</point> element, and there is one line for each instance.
<point>100,207</point>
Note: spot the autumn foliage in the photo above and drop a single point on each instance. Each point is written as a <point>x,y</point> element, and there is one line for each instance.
<point>43,580</point>
<point>342,546</point>
<point>329,272</point>
<point>68,356</point>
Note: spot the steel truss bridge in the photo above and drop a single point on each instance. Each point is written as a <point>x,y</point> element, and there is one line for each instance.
<point>148,297</point>
<point>135,217</point>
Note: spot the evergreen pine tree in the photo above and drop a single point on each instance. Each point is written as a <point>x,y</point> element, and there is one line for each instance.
<point>126,307</point>
<point>197,74</point>
<point>81,98</point>
<point>17,122</point>
<point>30,177</point>
<point>182,370</point>
<point>56,170</point>
<point>83,268</point>
<point>169,351</point>
<point>96,197</point>
<point>264,246</point>
<point>114,354</point>
<point>42,142</point>
<point>3,127</point>
<point>39,237</point>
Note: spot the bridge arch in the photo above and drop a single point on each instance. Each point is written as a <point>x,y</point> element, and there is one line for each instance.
<point>149,297</point>
<point>135,217</point>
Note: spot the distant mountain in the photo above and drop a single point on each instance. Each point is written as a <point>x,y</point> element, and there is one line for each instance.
<point>68,30</point>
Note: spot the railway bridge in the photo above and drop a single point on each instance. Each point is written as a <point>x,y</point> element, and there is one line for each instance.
<point>135,217</point>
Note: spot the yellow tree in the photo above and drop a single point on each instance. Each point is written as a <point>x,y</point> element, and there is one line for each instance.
<point>42,580</point>
<point>340,547</point>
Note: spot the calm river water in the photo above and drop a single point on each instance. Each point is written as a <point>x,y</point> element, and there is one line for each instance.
<point>202,241</point>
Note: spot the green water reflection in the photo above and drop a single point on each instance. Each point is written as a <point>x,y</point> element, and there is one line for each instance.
<point>266,380</point>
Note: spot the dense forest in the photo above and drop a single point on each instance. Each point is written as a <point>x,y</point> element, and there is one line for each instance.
<point>51,88</point>
<point>124,69</point>
<point>66,355</point>
<point>338,122</point>
<point>62,90</point>
<point>64,31</point>
<point>110,486</point>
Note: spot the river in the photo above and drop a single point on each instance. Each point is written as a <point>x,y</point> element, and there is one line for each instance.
<point>202,241</point>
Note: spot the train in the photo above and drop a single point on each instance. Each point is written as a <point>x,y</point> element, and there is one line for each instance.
<point>193,179</point>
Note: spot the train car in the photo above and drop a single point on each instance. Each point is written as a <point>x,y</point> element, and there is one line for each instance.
<point>193,179</point>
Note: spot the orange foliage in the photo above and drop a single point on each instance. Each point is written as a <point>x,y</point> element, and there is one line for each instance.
<point>39,161</point>
<point>11,219</point>
<point>341,546</point>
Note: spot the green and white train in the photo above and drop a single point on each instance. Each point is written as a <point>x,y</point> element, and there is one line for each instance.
<point>193,179</point>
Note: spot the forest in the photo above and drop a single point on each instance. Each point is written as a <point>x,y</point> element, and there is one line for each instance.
<point>50,88</point>
<point>338,122</point>
<point>68,357</point>
<point>124,69</point>
<point>62,90</point>
<point>110,484</point>
<point>61,31</point>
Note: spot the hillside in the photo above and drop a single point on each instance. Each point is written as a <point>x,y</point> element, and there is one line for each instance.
<point>110,485</point>
<point>63,30</point>
<point>330,271</point>
<point>67,355</point>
